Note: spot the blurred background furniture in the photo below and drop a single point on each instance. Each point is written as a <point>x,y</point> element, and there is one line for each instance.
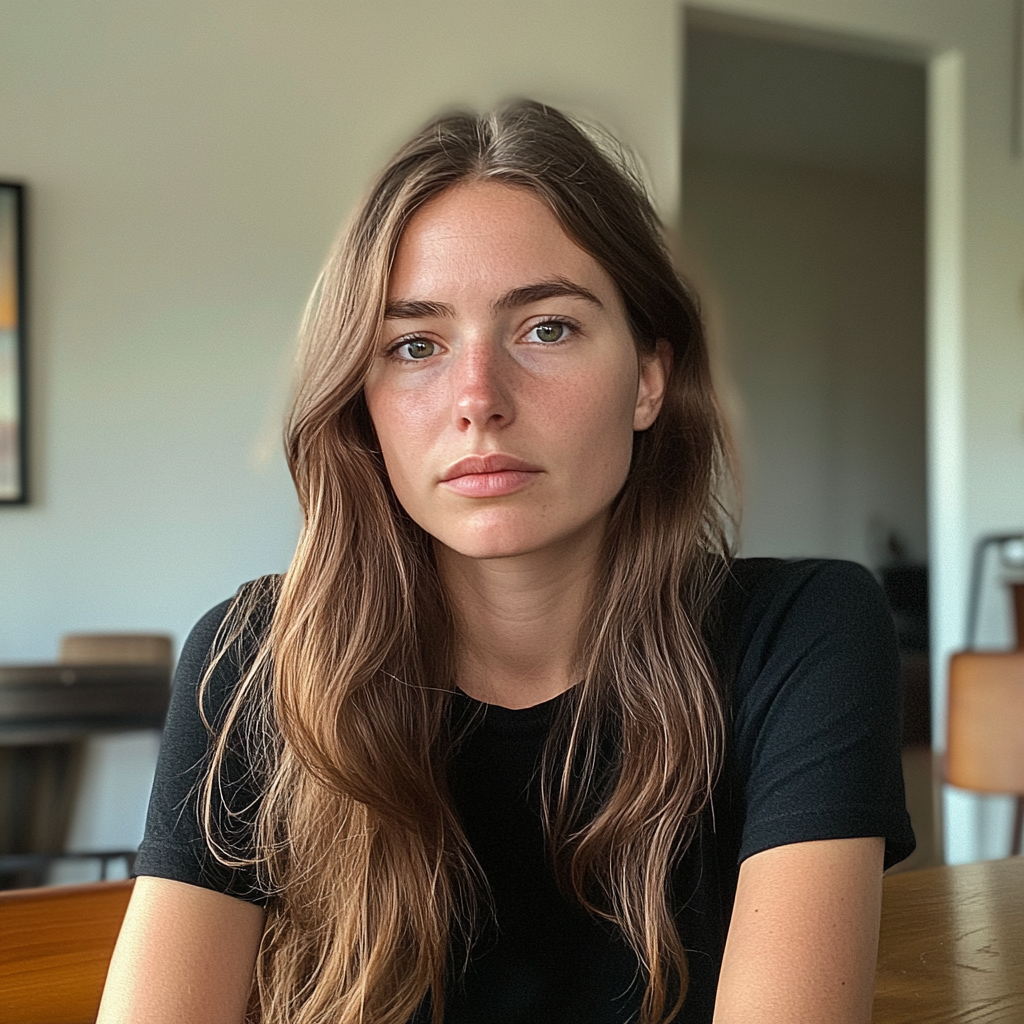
<point>1010,549</point>
<point>996,588</point>
<point>115,649</point>
<point>985,741</point>
<point>985,749</point>
<point>55,948</point>
<point>102,683</point>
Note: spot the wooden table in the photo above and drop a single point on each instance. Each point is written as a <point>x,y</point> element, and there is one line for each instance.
<point>58,703</point>
<point>952,946</point>
<point>55,947</point>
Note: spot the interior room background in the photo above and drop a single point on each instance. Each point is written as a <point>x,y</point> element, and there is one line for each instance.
<point>188,165</point>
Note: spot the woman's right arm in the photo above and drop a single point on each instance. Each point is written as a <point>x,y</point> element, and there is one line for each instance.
<point>185,955</point>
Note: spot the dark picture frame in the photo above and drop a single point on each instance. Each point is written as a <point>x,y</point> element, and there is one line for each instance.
<point>13,345</point>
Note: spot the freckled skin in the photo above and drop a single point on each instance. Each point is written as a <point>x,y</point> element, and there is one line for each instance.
<point>556,382</point>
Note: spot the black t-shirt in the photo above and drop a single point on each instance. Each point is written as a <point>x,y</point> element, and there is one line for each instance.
<point>807,662</point>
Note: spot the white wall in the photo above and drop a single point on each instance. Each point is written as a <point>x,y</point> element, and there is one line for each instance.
<point>819,286</point>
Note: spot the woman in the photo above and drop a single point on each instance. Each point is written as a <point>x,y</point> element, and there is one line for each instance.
<point>514,739</point>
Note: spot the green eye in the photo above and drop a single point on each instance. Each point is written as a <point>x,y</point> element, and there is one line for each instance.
<point>418,348</point>
<point>549,332</point>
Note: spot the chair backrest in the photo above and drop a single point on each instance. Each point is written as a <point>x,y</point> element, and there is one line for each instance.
<point>55,948</point>
<point>985,749</point>
<point>115,649</point>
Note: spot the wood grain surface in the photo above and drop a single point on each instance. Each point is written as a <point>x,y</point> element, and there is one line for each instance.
<point>55,947</point>
<point>952,946</point>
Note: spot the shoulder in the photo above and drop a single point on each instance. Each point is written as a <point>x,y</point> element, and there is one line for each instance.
<point>776,611</point>
<point>199,645</point>
<point>227,637</point>
<point>802,633</point>
<point>812,669</point>
<point>243,618</point>
<point>759,587</point>
<point>213,662</point>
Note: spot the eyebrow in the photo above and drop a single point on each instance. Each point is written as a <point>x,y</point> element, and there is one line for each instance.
<point>555,288</point>
<point>413,309</point>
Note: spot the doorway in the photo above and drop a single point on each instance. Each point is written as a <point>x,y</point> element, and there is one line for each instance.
<point>803,225</point>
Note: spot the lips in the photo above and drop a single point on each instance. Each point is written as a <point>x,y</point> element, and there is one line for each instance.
<point>473,465</point>
<point>489,476</point>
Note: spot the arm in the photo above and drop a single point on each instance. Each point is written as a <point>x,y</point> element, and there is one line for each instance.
<point>185,955</point>
<point>803,939</point>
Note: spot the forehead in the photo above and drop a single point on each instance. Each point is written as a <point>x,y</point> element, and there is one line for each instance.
<point>487,237</point>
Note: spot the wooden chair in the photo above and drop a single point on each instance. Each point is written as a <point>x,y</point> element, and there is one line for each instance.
<point>985,749</point>
<point>55,948</point>
<point>115,649</point>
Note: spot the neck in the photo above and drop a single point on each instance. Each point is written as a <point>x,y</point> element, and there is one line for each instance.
<point>519,618</point>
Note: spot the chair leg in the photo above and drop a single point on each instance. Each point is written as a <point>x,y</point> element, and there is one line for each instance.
<point>1018,825</point>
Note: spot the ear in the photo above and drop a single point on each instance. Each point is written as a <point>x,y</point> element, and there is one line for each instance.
<point>655,370</point>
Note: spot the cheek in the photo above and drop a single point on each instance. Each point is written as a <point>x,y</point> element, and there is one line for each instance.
<point>597,415</point>
<point>400,409</point>
<point>398,427</point>
<point>408,423</point>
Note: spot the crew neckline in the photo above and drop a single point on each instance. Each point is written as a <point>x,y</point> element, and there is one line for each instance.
<point>501,719</point>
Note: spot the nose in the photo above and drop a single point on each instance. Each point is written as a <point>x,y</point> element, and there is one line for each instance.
<point>482,393</point>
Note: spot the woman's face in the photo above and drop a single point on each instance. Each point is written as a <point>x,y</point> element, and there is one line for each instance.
<point>507,385</point>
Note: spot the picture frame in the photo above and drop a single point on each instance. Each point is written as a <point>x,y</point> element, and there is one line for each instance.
<point>13,346</point>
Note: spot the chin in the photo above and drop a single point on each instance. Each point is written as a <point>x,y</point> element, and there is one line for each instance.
<point>495,537</point>
<point>509,532</point>
<point>477,546</point>
<point>505,539</point>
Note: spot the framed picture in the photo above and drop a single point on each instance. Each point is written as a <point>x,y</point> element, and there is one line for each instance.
<point>13,448</point>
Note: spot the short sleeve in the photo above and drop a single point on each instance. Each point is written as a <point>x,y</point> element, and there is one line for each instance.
<point>817,710</point>
<point>174,845</point>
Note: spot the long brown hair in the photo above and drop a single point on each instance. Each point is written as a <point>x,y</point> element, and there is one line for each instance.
<point>343,711</point>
